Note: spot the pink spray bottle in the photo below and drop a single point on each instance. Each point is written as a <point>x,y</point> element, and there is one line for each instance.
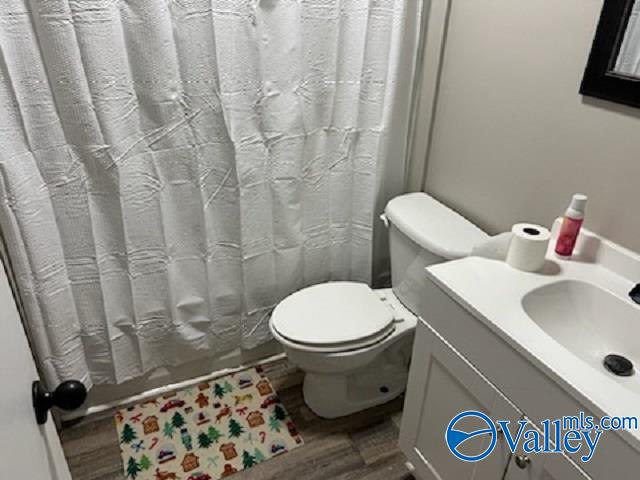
<point>571,224</point>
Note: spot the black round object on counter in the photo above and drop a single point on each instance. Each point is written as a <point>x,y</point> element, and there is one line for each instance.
<point>618,365</point>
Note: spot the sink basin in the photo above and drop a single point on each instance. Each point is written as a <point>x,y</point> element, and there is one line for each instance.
<point>590,322</point>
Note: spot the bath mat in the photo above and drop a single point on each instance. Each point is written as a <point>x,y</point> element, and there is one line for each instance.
<point>206,432</point>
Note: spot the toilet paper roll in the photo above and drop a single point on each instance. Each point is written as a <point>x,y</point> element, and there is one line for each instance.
<point>528,246</point>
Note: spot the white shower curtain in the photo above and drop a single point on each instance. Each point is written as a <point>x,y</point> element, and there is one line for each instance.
<point>171,169</point>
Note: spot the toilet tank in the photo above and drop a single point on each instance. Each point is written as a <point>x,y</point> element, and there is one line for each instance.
<point>423,232</point>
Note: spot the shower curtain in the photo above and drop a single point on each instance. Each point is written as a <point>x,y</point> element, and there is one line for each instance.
<point>171,169</point>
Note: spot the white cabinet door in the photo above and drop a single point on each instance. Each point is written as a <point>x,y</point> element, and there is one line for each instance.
<point>27,450</point>
<point>543,466</point>
<point>441,385</point>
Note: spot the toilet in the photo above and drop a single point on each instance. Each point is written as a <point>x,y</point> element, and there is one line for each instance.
<point>353,342</point>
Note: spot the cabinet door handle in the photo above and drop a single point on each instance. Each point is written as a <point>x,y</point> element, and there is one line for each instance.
<point>522,461</point>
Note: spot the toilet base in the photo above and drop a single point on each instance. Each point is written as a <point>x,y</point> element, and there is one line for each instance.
<point>337,395</point>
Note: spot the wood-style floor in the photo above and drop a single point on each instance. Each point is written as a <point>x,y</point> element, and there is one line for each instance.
<point>361,446</point>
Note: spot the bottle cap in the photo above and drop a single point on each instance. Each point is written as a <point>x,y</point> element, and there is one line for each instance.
<point>578,202</point>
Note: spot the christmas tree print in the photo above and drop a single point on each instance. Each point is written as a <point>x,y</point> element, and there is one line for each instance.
<point>214,434</point>
<point>279,412</point>
<point>235,429</point>
<point>259,456</point>
<point>248,460</point>
<point>274,424</point>
<point>227,387</point>
<point>133,468</point>
<point>168,429</point>
<point>177,420</point>
<point>204,441</point>
<point>128,434</point>
<point>145,463</point>
<point>218,391</point>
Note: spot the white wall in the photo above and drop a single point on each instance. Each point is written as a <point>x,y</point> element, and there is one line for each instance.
<point>512,137</point>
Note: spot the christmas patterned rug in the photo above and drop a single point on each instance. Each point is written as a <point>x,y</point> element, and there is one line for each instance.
<point>206,432</point>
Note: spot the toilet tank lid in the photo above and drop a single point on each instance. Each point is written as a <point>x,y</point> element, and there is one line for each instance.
<point>433,225</point>
<point>331,313</point>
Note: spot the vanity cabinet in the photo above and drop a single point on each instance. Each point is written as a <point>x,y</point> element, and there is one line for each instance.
<point>441,385</point>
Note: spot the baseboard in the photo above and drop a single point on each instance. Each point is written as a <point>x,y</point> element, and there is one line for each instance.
<point>103,399</point>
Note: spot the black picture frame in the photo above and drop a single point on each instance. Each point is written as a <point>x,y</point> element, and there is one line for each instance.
<point>600,80</point>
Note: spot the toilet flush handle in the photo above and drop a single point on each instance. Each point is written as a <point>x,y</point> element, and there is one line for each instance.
<point>384,219</point>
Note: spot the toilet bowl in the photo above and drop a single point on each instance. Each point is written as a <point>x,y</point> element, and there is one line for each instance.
<point>354,343</point>
<point>345,348</point>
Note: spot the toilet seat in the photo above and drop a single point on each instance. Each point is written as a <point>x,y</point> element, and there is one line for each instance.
<point>336,348</point>
<point>333,317</point>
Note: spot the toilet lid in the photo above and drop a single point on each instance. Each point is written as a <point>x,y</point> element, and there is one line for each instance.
<point>434,226</point>
<point>332,313</point>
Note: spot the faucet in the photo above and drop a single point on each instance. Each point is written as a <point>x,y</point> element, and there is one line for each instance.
<point>634,294</point>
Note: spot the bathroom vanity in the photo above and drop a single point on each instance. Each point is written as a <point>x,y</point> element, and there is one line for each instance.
<point>525,346</point>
